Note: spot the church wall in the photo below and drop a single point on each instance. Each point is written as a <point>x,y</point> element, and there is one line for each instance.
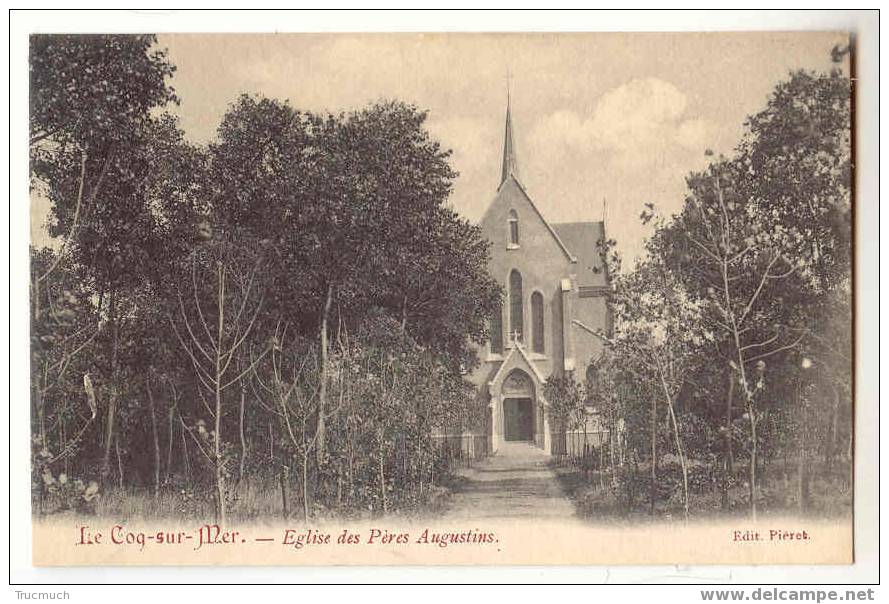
<point>593,313</point>
<point>541,262</point>
<point>558,337</point>
<point>546,266</point>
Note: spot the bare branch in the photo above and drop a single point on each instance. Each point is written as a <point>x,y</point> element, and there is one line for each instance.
<point>237,344</point>
<point>761,344</point>
<point>194,338</point>
<point>762,281</point>
<point>775,351</point>
<point>703,248</point>
<point>202,374</point>
<point>197,304</point>
<point>246,371</point>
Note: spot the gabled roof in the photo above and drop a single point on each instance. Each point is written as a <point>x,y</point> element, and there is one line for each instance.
<point>585,240</point>
<point>561,244</point>
<point>507,365</point>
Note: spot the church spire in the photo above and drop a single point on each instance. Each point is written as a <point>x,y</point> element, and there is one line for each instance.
<point>510,164</point>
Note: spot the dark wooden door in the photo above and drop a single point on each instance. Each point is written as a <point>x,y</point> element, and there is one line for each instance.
<point>518,419</point>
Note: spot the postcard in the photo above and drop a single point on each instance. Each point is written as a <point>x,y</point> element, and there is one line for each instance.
<point>442,298</point>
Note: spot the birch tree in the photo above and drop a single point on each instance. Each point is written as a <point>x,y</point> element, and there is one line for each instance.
<point>213,318</point>
<point>737,265</point>
<point>658,332</point>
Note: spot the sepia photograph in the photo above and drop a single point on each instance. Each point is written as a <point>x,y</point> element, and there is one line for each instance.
<point>442,298</point>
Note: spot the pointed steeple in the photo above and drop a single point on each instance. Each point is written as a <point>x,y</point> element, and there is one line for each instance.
<point>510,163</point>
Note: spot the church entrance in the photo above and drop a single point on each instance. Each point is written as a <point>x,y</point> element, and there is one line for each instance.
<point>518,416</point>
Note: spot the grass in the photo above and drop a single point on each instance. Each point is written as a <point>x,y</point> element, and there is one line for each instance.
<point>594,499</point>
<point>252,500</point>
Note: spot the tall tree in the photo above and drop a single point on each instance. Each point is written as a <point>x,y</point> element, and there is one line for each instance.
<point>764,239</point>
<point>213,317</point>
<point>659,332</point>
<point>354,205</point>
<point>93,138</point>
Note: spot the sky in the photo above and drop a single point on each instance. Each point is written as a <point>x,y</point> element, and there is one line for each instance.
<point>600,121</point>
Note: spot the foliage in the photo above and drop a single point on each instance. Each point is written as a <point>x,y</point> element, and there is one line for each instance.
<point>739,314</point>
<point>290,305</point>
<point>566,400</point>
<point>294,306</point>
<point>91,89</point>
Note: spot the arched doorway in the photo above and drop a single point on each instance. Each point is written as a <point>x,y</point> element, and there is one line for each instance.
<point>519,407</point>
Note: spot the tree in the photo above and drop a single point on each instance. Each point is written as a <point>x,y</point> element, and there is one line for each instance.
<point>175,264</point>
<point>764,241</point>
<point>223,305</point>
<point>86,88</point>
<point>63,338</point>
<point>567,402</point>
<point>89,94</point>
<point>798,158</point>
<point>288,378</point>
<point>353,206</point>
<point>94,142</point>
<point>737,267</point>
<point>658,332</point>
<point>628,407</point>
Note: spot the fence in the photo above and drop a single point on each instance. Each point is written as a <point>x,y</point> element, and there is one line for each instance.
<point>463,448</point>
<point>576,445</point>
<point>566,447</point>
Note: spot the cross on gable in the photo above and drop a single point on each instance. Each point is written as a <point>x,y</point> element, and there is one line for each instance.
<point>516,336</point>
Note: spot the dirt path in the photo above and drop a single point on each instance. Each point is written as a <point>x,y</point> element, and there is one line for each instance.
<point>515,483</point>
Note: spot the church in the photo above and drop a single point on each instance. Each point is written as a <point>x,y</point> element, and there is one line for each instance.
<point>555,291</point>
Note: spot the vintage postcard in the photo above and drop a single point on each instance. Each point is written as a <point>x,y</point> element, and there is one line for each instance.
<point>442,298</point>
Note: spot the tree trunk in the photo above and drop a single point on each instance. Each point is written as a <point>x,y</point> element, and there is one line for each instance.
<point>728,455</point>
<point>322,389</point>
<point>305,486</point>
<point>383,478</point>
<point>243,462</point>
<point>284,480</point>
<point>217,435</point>
<point>753,453</point>
<point>679,451</point>
<point>220,468</point>
<point>41,410</point>
<point>120,478</point>
<point>63,446</point>
<point>652,495</point>
<point>186,463</point>
<point>169,467</point>
<point>635,460</point>
<point>601,455</point>
<point>834,428</point>
<point>112,394</point>
<point>351,462</point>
<point>157,449</point>
<point>803,463</point>
<point>404,314</point>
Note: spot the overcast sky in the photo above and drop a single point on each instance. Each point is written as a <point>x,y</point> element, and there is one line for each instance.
<point>622,117</point>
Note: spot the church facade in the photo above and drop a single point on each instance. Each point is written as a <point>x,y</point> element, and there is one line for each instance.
<point>556,288</point>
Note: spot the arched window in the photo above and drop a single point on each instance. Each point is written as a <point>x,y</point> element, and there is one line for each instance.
<point>513,229</point>
<point>537,322</point>
<point>516,318</point>
<point>497,330</point>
